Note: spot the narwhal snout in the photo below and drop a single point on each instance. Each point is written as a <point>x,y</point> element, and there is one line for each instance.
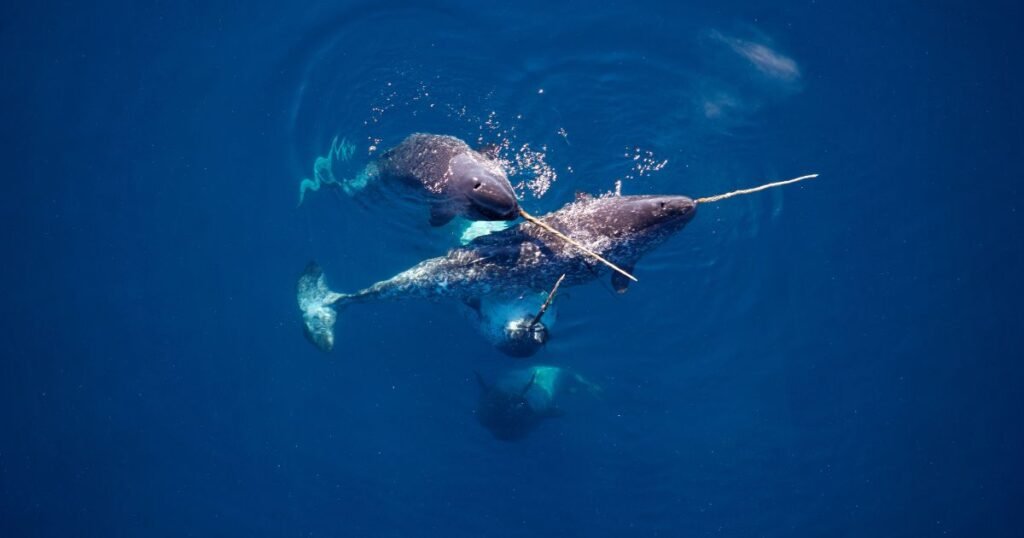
<point>688,208</point>
<point>672,208</point>
<point>485,188</point>
<point>493,199</point>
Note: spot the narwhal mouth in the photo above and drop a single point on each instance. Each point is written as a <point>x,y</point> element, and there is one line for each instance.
<point>482,212</point>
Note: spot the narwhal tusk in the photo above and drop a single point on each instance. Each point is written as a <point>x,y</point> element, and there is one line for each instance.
<point>718,197</point>
<point>575,243</point>
<point>705,200</point>
<point>547,302</point>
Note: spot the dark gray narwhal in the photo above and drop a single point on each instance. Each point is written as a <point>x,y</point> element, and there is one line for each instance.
<point>520,400</point>
<point>451,178</point>
<point>510,263</point>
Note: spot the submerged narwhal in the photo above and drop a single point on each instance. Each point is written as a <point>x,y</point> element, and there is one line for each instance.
<point>515,404</point>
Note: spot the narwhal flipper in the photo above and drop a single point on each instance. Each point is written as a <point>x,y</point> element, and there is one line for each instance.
<point>620,282</point>
<point>473,303</point>
<point>316,301</point>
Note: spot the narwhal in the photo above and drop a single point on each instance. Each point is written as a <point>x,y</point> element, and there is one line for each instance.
<point>522,259</point>
<point>439,171</point>
<point>508,263</point>
<point>515,404</point>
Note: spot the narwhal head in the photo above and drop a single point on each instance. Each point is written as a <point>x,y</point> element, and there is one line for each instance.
<point>639,217</point>
<point>522,337</point>
<point>623,228</point>
<point>484,188</point>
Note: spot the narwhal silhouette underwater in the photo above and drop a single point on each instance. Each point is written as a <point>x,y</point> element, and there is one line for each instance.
<point>520,400</point>
<point>522,259</point>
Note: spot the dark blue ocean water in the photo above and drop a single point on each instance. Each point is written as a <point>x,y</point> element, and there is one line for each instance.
<point>835,358</point>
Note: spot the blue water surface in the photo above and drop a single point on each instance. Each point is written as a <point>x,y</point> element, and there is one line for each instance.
<point>835,358</point>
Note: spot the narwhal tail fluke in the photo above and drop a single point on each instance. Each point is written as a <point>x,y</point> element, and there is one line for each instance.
<point>319,306</point>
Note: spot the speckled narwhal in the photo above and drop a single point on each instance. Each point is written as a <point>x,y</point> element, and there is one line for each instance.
<point>439,171</point>
<point>618,230</point>
<point>523,259</point>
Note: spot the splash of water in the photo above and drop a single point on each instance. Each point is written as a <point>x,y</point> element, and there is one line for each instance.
<point>323,171</point>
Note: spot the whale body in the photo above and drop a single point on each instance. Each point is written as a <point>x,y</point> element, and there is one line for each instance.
<point>520,400</point>
<point>513,262</point>
<point>455,179</point>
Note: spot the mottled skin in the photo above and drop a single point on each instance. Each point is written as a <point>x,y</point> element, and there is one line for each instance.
<point>457,180</point>
<point>518,260</point>
<point>621,228</point>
